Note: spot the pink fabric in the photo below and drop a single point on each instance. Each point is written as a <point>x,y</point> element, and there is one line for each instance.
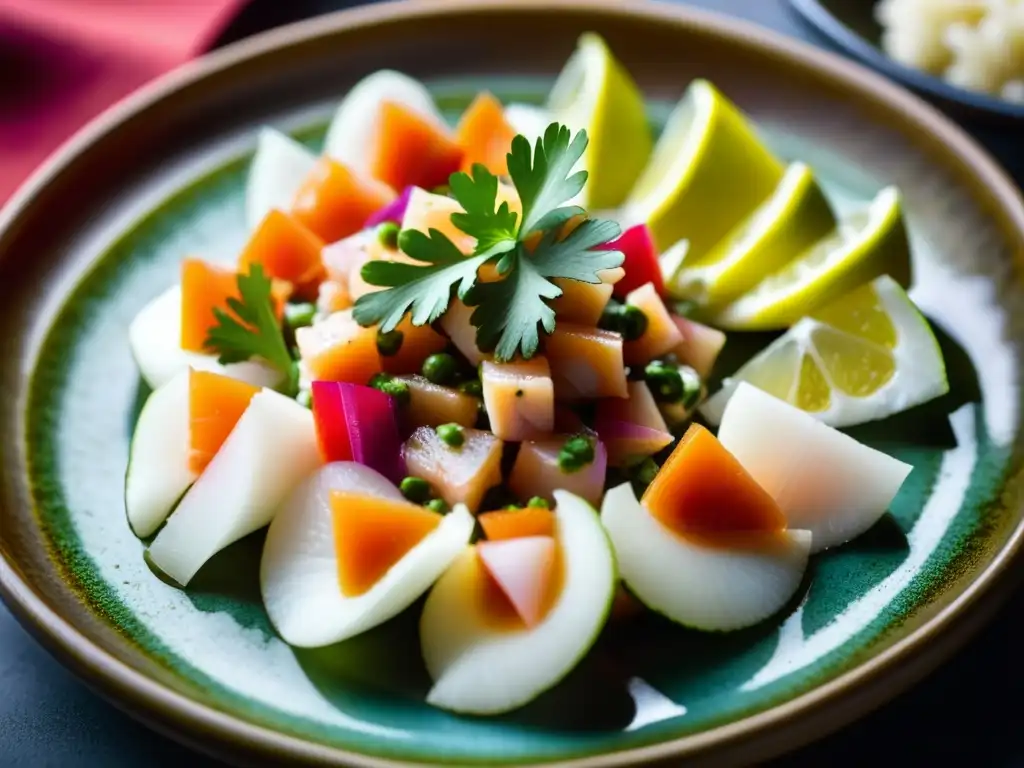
<point>62,62</point>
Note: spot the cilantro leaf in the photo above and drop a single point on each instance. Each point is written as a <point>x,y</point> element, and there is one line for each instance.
<point>508,311</point>
<point>422,289</point>
<point>478,195</point>
<point>545,183</point>
<point>577,257</point>
<point>253,329</point>
<point>511,310</point>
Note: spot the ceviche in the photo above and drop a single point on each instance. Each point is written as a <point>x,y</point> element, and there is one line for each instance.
<point>474,363</point>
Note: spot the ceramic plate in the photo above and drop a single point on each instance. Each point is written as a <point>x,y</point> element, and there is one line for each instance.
<point>100,230</point>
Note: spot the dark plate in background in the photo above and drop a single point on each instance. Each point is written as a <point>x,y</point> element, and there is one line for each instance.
<point>851,25</point>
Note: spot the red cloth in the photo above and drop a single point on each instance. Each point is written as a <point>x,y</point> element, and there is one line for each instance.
<point>63,62</point>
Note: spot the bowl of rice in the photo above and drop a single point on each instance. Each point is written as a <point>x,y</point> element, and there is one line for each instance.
<point>967,55</point>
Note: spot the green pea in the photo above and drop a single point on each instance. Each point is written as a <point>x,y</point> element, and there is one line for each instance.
<point>537,501</point>
<point>665,383</point>
<point>437,505</point>
<point>398,390</point>
<point>389,343</point>
<point>625,319</point>
<point>451,435</point>
<point>632,323</point>
<point>387,234</point>
<point>416,489</point>
<point>645,472</point>
<point>472,387</point>
<point>440,368</point>
<point>576,453</point>
<point>299,315</point>
<point>693,387</point>
<point>611,317</point>
<point>304,398</point>
<point>389,385</point>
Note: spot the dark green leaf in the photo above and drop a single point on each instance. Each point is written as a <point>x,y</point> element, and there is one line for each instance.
<point>431,248</point>
<point>577,257</point>
<point>252,329</point>
<point>508,311</point>
<point>422,290</point>
<point>478,195</point>
<point>547,183</point>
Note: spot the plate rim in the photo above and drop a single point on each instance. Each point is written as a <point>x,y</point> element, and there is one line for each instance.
<point>775,730</point>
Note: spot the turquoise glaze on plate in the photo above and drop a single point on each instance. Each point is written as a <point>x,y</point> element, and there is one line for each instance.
<point>646,681</point>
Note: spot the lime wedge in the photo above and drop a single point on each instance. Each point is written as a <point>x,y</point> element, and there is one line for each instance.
<point>783,226</point>
<point>594,92</point>
<point>871,241</point>
<point>708,172</point>
<point>864,357</point>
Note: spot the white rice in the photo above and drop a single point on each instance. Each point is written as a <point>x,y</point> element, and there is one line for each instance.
<point>974,44</point>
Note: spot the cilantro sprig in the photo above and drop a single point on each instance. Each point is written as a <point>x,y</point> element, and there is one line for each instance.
<point>547,182</point>
<point>253,329</point>
<point>508,311</point>
<point>511,309</point>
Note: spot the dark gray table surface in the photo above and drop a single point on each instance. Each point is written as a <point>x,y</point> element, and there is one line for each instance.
<point>968,712</point>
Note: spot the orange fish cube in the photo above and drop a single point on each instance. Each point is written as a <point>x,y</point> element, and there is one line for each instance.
<point>287,250</point>
<point>457,324</point>
<point>485,135</point>
<point>431,405</point>
<point>519,397</point>
<point>372,534</point>
<point>205,287</point>
<point>215,404</point>
<point>339,349</point>
<point>586,362</point>
<point>536,472</point>
<point>662,334</point>
<point>514,523</point>
<point>703,489</point>
<point>701,345</point>
<point>581,303</point>
<point>413,150</point>
<point>335,202</point>
<point>459,475</point>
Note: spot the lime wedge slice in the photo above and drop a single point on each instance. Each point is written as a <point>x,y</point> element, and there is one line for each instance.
<point>783,226</point>
<point>864,357</point>
<point>595,92</point>
<point>871,241</point>
<point>709,170</point>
